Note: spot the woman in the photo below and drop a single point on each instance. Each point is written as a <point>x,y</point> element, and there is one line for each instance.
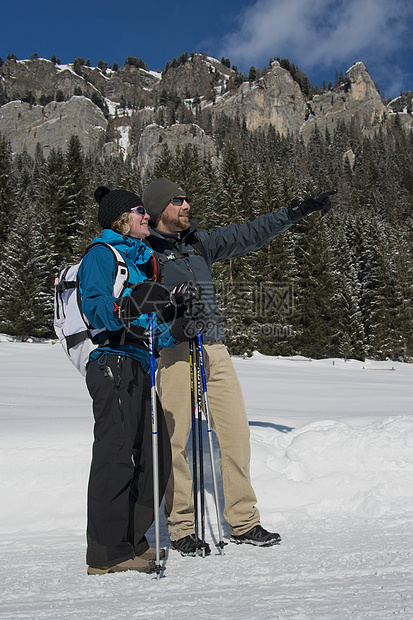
<point>120,493</point>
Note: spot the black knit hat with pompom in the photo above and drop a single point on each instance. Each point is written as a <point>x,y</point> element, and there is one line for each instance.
<point>113,203</point>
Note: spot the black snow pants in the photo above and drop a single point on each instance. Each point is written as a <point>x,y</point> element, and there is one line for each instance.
<point>120,493</point>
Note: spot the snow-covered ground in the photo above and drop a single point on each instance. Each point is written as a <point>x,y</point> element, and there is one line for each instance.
<point>332,466</point>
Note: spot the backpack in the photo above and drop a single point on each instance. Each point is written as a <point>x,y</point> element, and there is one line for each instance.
<point>77,337</point>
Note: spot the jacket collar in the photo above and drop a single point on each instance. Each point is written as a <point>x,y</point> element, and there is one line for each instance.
<point>173,237</point>
<point>135,249</point>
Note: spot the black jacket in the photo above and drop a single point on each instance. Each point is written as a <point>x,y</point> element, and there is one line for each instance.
<point>182,258</point>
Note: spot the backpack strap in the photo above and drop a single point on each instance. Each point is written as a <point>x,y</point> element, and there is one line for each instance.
<point>153,268</point>
<point>122,270</point>
<point>158,262</point>
<point>134,334</point>
<point>73,339</point>
<point>61,285</point>
<point>121,282</point>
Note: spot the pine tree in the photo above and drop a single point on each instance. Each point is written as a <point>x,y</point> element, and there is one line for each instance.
<point>77,197</point>
<point>164,165</point>
<point>7,193</point>
<point>195,176</point>
<point>378,288</point>
<point>27,275</point>
<point>313,282</point>
<point>402,313</point>
<point>348,338</point>
<point>273,265</point>
<point>53,197</point>
<point>235,276</point>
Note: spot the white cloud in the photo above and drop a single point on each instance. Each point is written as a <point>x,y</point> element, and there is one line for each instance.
<point>321,32</point>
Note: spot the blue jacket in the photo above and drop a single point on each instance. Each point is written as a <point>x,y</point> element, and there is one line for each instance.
<point>97,274</point>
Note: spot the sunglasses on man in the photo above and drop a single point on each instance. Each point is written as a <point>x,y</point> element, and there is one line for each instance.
<point>139,210</point>
<point>178,201</point>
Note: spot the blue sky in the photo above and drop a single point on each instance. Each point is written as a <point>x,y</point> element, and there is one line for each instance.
<point>319,36</point>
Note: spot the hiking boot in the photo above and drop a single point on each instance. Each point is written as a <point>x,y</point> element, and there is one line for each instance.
<point>136,563</point>
<point>191,545</point>
<point>257,536</point>
<point>150,554</point>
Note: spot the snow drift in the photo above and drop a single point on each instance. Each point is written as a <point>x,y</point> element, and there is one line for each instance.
<point>332,466</point>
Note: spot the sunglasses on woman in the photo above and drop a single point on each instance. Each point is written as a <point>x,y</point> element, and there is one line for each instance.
<point>139,210</point>
<point>178,201</point>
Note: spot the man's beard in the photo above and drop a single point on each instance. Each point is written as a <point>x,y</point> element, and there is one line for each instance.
<point>177,222</point>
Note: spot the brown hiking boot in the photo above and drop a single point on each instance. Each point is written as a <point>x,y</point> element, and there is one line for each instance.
<point>150,554</point>
<point>136,563</point>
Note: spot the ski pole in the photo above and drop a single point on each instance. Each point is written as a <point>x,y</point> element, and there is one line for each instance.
<point>194,446</point>
<point>201,454</point>
<point>154,413</point>
<point>221,543</point>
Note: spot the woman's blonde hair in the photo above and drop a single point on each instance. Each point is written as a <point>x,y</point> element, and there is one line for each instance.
<point>122,225</point>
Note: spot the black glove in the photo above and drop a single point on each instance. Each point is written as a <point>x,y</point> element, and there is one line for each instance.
<point>320,202</point>
<point>186,293</point>
<point>181,299</point>
<point>145,297</point>
<point>196,318</point>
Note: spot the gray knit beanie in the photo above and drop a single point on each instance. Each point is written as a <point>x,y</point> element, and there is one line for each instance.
<point>157,195</point>
<point>113,203</point>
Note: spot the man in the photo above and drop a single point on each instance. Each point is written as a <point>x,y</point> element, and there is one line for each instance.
<point>187,254</point>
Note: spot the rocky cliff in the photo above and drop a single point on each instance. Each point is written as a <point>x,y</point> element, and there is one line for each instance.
<point>356,99</point>
<point>154,138</point>
<point>51,126</point>
<point>135,112</point>
<point>275,99</point>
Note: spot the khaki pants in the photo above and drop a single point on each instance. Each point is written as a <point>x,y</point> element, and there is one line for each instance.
<point>229,421</point>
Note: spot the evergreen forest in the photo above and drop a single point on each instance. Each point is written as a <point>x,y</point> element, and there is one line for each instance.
<point>339,285</point>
